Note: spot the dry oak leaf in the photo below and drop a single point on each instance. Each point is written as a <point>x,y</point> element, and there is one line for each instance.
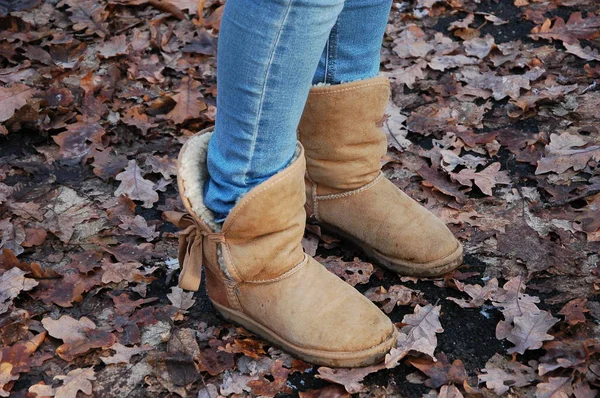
<point>12,99</point>
<point>189,103</point>
<point>12,283</point>
<point>180,298</point>
<point>73,142</point>
<point>134,186</point>
<point>418,334</point>
<point>73,382</point>
<point>68,329</point>
<point>501,374</point>
<point>138,226</point>
<point>407,75</point>
<point>118,272</point>
<point>123,354</point>
<point>587,53</point>
<point>265,388</point>
<point>411,42</point>
<point>566,151</point>
<point>350,378</point>
<point>441,371</point>
<point>531,331</point>
<point>574,311</point>
<point>88,15</point>
<point>575,28</point>
<point>8,6</point>
<point>133,117</point>
<point>501,86</point>
<point>117,45</point>
<point>450,391</point>
<point>353,272</point>
<point>15,360</point>
<point>485,179</point>
<point>479,294</point>
<point>396,295</point>
<point>556,387</point>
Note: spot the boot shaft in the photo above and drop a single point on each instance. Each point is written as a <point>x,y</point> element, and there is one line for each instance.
<point>340,133</point>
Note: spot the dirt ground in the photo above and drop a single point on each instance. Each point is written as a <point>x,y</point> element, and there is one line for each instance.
<point>492,125</point>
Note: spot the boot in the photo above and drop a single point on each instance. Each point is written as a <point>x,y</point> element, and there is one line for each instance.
<point>348,194</point>
<point>258,276</point>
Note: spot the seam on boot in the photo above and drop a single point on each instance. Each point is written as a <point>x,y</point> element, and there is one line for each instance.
<point>331,91</point>
<point>286,274</point>
<point>353,192</point>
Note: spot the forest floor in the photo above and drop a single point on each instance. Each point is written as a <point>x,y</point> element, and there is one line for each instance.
<point>493,126</point>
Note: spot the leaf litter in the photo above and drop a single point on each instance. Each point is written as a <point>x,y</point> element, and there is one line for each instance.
<point>492,126</point>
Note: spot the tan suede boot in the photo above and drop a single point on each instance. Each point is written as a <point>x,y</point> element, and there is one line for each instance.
<point>348,194</point>
<point>258,276</point>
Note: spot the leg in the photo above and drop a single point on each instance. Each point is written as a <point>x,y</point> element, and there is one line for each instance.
<point>353,48</point>
<point>257,274</point>
<point>268,52</point>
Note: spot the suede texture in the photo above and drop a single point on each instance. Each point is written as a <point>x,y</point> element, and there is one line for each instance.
<point>258,275</point>
<point>339,132</point>
<point>345,191</point>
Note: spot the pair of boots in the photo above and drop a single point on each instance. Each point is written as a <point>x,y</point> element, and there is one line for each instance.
<point>257,274</point>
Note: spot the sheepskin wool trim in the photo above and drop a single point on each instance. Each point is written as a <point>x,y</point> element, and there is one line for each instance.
<point>193,171</point>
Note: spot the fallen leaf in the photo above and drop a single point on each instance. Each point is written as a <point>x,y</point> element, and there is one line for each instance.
<point>556,387</point>
<point>180,298</point>
<point>450,391</point>
<point>350,378</point>
<point>485,179</point>
<point>73,382</point>
<point>530,331</point>
<point>396,295</point>
<point>12,283</point>
<point>441,371</point>
<point>574,311</point>
<point>13,98</point>
<point>575,28</point>
<point>500,374</point>
<point>189,102</point>
<point>353,272</point>
<point>123,354</point>
<point>134,186</point>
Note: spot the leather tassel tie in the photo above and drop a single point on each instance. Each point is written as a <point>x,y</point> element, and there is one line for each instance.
<point>190,248</point>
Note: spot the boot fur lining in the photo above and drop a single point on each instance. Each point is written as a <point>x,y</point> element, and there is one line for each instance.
<point>194,173</point>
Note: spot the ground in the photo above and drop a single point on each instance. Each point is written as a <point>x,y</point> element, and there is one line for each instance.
<point>492,125</point>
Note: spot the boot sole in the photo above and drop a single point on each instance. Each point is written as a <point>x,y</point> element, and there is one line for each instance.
<point>407,268</point>
<point>343,359</point>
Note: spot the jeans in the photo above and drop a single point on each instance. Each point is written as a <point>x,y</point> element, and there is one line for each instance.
<point>270,53</point>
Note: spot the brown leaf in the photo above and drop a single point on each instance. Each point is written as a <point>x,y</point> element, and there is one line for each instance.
<point>87,15</point>
<point>411,42</point>
<point>556,387</point>
<point>349,378</point>
<point>134,117</point>
<point>249,347</point>
<point>333,391</point>
<point>135,186</point>
<point>189,102</point>
<point>180,298</point>
<point>575,28</point>
<point>500,374</point>
<point>118,272</point>
<point>265,388</point>
<point>500,86</point>
<point>215,361</point>
<point>440,372</point>
<point>587,53</point>
<point>123,354</point>
<point>107,165</point>
<point>530,331</point>
<point>138,226</point>
<point>12,283</point>
<point>124,305</point>
<point>566,151</point>
<point>17,359</point>
<point>479,294</point>
<point>117,45</point>
<point>485,179</point>
<point>479,47</point>
<point>574,311</point>
<point>396,295</point>
<point>450,391</point>
<point>353,272</point>
<point>12,99</point>
<point>73,382</point>
<point>74,144</point>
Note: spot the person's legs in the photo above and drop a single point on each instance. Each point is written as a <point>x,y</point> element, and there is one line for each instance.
<point>353,49</point>
<point>267,54</point>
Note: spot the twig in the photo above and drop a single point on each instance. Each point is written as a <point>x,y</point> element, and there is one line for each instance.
<point>165,6</point>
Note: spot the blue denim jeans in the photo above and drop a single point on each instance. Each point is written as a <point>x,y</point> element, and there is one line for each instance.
<point>270,53</point>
